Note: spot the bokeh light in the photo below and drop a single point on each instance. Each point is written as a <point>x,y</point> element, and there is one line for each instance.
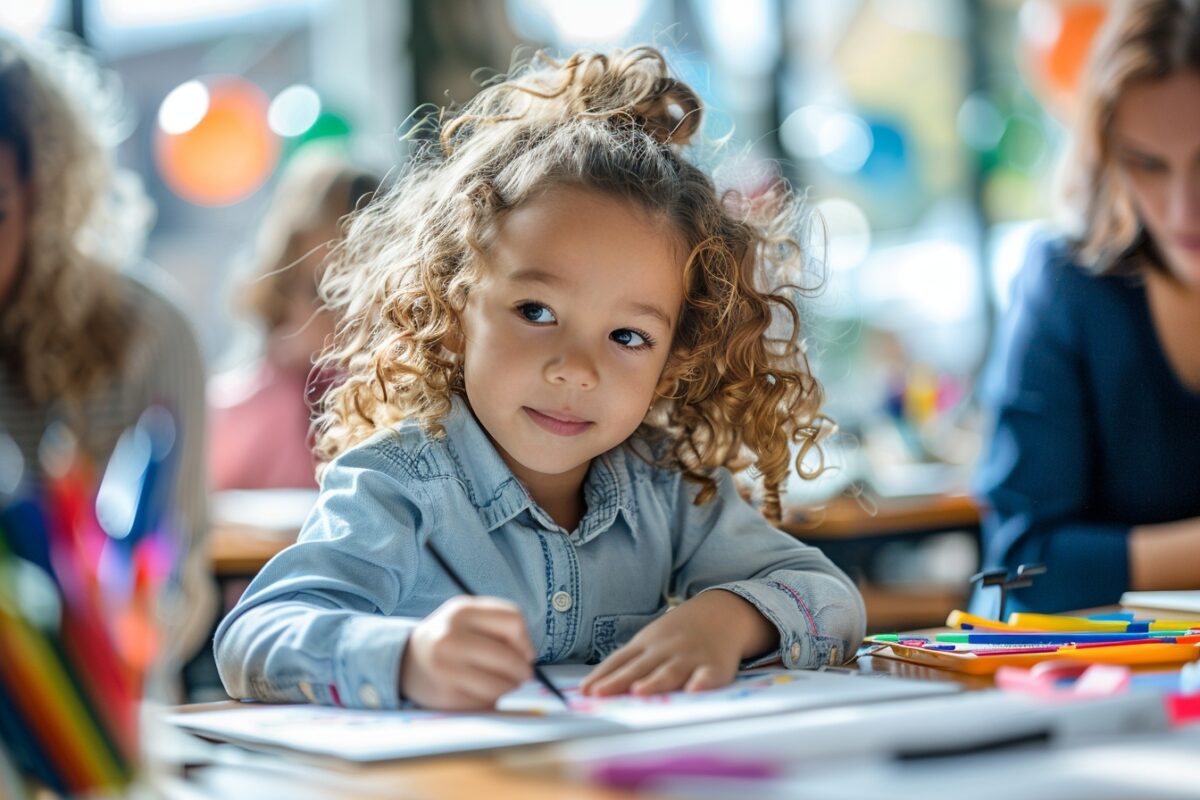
<point>183,108</point>
<point>294,110</point>
<point>848,232</point>
<point>227,154</point>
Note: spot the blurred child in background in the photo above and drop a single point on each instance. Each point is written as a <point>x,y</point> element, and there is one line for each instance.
<point>260,415</point>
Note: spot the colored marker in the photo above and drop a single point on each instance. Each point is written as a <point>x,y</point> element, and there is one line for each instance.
<point>1053,622</point>
<point>1032,638</point>
<point>1016,651</point>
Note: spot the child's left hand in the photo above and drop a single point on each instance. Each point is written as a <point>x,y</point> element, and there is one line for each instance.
<point>694,647</point>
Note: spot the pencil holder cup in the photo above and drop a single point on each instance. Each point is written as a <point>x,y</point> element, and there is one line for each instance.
<point>80,570</point>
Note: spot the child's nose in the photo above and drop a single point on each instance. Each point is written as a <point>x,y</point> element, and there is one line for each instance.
<point>573,366</point>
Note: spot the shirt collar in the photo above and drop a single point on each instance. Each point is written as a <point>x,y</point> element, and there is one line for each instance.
<point>499,496</point>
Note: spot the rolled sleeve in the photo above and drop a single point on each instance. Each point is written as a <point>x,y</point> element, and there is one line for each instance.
<point>289,651</point>
<point>367,663</point>
<point>806,640</point>
<point>727,544</point>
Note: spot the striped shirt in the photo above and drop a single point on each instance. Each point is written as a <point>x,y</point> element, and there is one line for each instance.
<point>163,366</point>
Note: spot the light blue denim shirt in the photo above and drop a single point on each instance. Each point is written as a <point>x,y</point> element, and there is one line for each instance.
<point>327,620</point>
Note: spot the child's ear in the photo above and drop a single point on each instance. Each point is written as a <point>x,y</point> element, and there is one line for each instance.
<point>454,341</point>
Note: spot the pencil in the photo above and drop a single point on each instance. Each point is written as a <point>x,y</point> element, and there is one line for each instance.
<point>462,587</point>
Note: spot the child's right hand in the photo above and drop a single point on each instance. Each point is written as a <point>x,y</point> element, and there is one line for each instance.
<point>466,654</point>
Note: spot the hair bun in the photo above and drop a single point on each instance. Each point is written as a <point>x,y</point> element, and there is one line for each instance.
<point>627,87</point>
<point>671,113</point>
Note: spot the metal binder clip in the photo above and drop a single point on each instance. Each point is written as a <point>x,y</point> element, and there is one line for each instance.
<point>999,577</point>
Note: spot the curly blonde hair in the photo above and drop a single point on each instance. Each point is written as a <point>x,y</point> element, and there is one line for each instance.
<point>739,390</point>
<point>1142,40</point>
<point>65,329</point>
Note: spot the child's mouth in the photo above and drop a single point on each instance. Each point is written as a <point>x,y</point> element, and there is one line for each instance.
<point>558,424</point>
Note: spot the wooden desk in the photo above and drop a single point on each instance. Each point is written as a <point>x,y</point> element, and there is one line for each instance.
<point>847,518</point>
<point>241,551</point>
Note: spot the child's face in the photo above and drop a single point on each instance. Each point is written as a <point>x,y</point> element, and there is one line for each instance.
<point>568,332</point>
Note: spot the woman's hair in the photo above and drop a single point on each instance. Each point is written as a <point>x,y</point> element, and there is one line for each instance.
<point>63,329</point>
<point>318,189</point>
<point>1143,40</point>
<point>739,388</point>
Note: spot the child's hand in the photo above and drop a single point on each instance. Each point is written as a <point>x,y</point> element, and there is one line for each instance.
<point>466,654</point>
<point>697,646</point>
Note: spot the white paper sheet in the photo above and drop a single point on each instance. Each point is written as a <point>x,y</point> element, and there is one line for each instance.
<point>532,715</point>
<point>1167,601</point>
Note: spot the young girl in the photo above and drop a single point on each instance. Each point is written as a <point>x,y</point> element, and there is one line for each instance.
<point>558,339</point>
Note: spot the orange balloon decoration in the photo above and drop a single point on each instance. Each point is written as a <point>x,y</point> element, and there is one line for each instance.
<point>1064,61</point>
<point>1058,60</point>
<point>228,154</point>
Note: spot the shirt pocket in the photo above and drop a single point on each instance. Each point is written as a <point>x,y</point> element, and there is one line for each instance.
<point>610,631</point>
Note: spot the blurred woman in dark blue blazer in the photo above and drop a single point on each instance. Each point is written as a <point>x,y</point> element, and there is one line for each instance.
<point>1093,466</point>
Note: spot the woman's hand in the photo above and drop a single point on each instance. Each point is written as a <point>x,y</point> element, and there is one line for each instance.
<point>694,647</point>
<point>466,654</point>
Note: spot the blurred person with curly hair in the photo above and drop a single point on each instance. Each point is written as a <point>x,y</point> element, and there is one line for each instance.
<point>556,342</point>
<point>82,343</point>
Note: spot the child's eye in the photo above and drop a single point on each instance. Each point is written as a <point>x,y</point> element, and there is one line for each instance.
<point>536,313</point>
<point>634,340</point>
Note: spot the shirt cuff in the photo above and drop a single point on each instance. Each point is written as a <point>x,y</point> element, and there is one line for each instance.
<point>367,661</point>
<point>799,645</point>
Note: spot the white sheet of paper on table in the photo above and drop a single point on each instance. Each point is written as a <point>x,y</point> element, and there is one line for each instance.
<point>531,715</point>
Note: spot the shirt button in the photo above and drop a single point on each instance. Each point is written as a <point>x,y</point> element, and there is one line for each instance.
<point>562,601</point>
<point>794,651</point>
<point>369,696</point>
<point>307,690</point>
